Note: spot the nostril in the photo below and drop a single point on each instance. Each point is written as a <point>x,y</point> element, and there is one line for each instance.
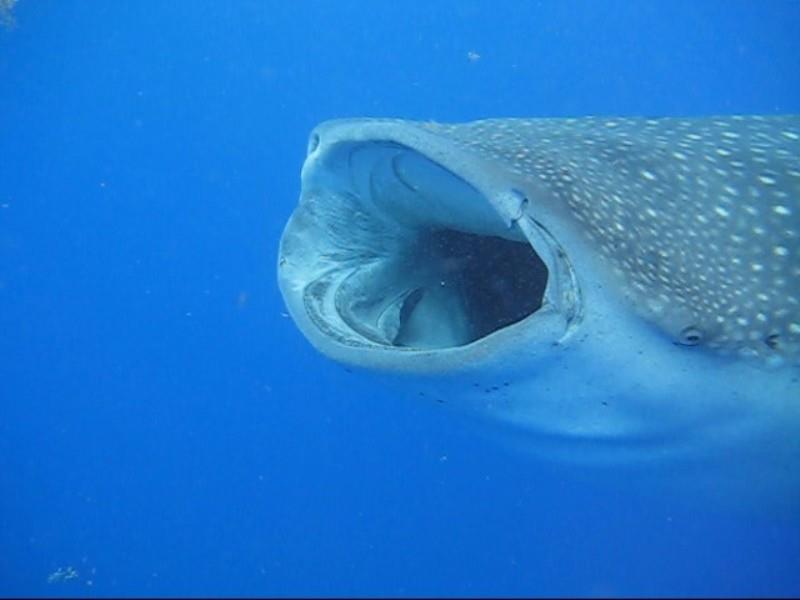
<point>313,143</point>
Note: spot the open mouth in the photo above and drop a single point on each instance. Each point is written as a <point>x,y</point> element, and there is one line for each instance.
<point>390,249</point>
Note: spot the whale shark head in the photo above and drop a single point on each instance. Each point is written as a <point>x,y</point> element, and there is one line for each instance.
<point>623,290</point>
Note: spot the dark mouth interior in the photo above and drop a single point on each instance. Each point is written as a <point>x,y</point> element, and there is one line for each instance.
<point>500,281</point>
<point>451,288</point>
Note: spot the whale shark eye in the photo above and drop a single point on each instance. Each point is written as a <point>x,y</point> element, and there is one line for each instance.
<point>690,336</point>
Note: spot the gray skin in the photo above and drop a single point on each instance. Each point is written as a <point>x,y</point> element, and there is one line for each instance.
<point>622,290</point>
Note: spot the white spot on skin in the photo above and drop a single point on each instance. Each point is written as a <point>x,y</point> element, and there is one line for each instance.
<point>781,210</point>
<point>731,190</point>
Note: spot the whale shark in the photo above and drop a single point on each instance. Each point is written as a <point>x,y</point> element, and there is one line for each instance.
<point>616,290</point>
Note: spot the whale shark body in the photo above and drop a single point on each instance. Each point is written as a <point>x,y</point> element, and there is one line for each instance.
<point>623,291</point>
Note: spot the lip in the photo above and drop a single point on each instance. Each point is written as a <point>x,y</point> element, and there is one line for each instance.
<point>392,250</point>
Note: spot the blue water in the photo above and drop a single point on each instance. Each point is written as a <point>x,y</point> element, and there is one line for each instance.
<point>164,429</point>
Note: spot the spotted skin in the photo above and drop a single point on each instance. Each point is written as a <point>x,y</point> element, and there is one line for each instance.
<point>699,217</point>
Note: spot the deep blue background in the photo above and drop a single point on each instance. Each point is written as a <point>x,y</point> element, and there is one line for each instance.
<point>164,429</point>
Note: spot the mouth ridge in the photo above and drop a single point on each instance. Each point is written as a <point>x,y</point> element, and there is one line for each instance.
<point>393,250</point>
